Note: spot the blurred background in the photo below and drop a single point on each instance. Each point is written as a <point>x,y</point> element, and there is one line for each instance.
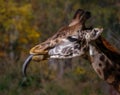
<point>25,23</point>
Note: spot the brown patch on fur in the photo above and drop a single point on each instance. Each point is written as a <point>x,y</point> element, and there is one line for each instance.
<point>108,45</point>
<point>102,57</point>
<point>110,79</point>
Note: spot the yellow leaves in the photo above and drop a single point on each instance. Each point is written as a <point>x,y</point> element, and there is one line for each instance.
<point>29,35</point>
<point>8,24</point>
<point>2,10</point>
<point>33,34</point>
<point>17,24</point>
<point>25,10</point>
<point>23,41</point>
<point>4,39</point>
<point>79,70</point>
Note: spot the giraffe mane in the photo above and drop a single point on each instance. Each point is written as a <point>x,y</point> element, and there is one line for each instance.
<point>104,46</point>
<point>108,45</point>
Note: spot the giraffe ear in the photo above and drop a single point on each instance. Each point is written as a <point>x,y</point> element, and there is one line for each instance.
<point>95,33</point>
<point>80,17</point>
<point>76,17</point>
<point>78,13</point>
<point>85,17</point>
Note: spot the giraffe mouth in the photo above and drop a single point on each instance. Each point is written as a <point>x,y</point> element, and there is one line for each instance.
<point>39,49</point>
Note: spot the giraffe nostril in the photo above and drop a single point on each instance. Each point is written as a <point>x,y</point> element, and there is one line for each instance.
<point>100,64</point>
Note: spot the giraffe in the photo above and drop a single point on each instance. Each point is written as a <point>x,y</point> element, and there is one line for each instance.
<point>106,65</point>
<point>74,46</point>
<point>40,51</point>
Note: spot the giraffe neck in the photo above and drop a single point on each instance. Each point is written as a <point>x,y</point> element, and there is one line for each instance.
<point>104,67</point>
<point>99,61</point>
<point>111,52</point>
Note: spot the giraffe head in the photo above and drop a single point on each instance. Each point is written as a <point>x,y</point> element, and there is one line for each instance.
<point>76,45</point>
<point>40,51</point>
<point>76,24</point>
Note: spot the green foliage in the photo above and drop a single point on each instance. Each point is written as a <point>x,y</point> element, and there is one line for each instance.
<point>12,83</point>
<point>25,23</point>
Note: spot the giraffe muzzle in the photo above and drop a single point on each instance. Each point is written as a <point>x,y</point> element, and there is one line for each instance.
<point>39,50</point>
